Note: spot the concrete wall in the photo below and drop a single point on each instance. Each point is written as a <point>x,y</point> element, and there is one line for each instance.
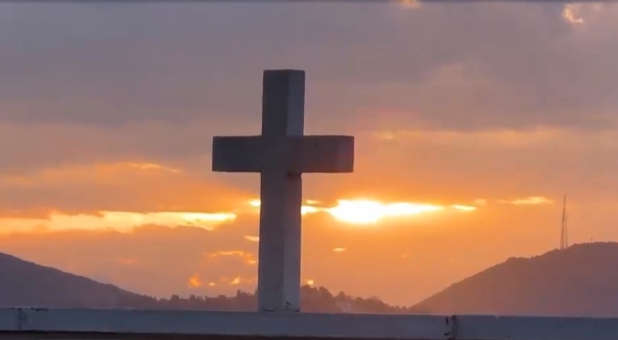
<point>115,324</point>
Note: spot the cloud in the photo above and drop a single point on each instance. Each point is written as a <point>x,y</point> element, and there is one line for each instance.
<point>366,211</point>
<point>247,257</point>
<point>194,281</point>
<point>488,139</point>
<point>480,202</point>
<point>571,15</point>
<point>353,211</point>
<point>122,221</point>
<point>114,186</point>
<point>152,166</point>
<point>463,207</point>
<point>252,238</point>
<point>530,200</point>
<point>93,172</point>
<point>425,56</point>
<point>410,4</point>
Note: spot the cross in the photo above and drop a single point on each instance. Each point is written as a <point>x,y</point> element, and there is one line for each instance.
<point>281,154</point>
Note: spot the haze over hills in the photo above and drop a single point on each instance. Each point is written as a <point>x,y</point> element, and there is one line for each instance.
<point>581,280</point>
<point>26,284</point>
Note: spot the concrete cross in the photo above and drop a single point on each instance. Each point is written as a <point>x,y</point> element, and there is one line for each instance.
<point>280,155</point>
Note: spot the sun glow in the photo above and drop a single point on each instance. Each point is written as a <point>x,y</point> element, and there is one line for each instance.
<point>307,209</point>
<point>364,211</point>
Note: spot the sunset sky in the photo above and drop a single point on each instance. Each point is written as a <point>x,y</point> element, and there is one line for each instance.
<point>471,121</point>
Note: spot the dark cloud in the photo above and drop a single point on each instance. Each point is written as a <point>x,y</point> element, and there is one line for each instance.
<point>515,65</point>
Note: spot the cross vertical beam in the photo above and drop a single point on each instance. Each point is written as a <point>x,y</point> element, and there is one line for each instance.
<point>280,242</point>
<point>280,195</point>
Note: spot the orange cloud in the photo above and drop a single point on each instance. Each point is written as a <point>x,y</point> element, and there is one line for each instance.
<point>366,211</point>
<point>531,200</point>
<point>151,166</point>
<point>480,201</point>
<point>353,211</point>
<point>462,207</point>
<point>410,4</point>
<point>194,281</point>
<point>252,238</point>
<point>122,221</point>
<point>84,172</point>
<point>504,138</point>
<point>247,257</point>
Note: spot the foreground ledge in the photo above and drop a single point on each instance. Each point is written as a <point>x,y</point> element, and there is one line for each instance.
<point>36,323</point>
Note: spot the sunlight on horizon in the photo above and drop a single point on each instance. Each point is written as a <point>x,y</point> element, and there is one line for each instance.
<point>367,211</point>
<point>354,211</point>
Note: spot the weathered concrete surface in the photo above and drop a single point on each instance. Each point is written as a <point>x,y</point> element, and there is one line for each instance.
<point>294,154</point>
<point>24,323</point>
<point>232,324</point>
<point>281,154</point>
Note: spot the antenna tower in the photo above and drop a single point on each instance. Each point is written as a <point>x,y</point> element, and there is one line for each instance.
<point>564,232</point>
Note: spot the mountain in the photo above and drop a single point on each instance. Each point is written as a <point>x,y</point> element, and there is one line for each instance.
<point>581,280</point>
<point>25,283</point>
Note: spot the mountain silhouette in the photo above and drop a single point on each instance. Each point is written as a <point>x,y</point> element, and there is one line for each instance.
<point>581,280</point>
<point>25,283</point>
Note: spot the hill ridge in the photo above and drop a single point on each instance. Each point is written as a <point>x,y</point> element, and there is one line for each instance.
<point>580,280</point>
<point>26,283</point>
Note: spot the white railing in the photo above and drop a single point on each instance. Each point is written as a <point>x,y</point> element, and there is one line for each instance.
<point>80,323</point>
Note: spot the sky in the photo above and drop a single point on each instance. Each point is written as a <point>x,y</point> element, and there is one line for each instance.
<point>471,122</point>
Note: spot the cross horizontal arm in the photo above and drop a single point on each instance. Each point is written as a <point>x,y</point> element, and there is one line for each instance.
<point>322,154</point>
<point>237,154</point>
